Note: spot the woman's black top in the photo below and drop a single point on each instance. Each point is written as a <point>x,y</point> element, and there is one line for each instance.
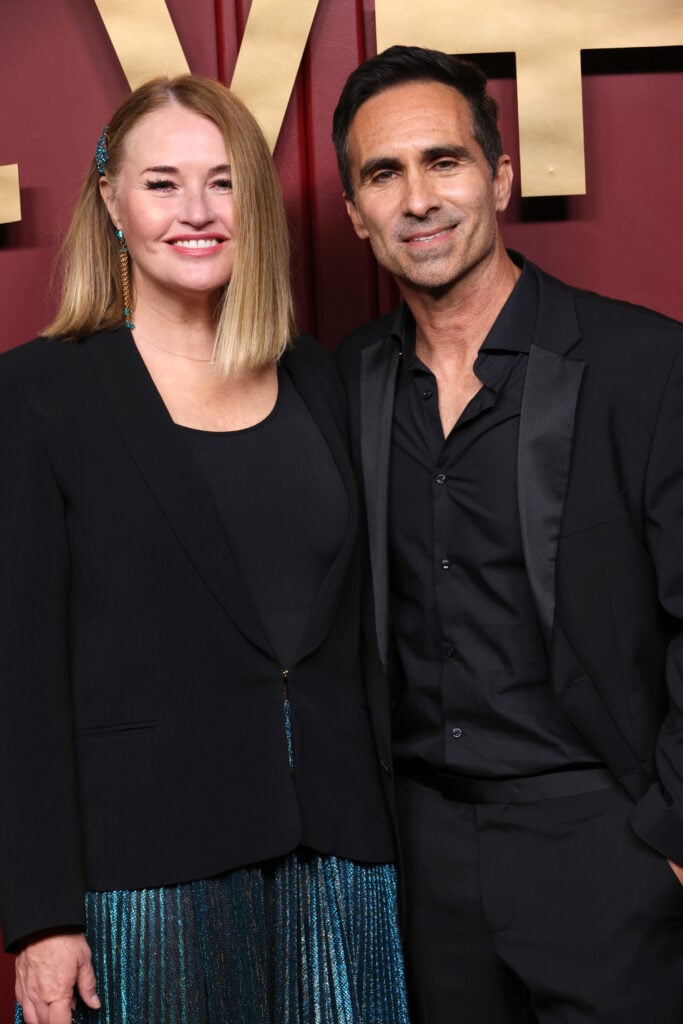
<point>283,507</point>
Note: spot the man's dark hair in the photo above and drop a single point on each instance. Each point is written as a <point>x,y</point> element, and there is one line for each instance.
<point>399,65</point>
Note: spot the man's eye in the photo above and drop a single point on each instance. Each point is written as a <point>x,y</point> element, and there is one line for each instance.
<point>381,176</point>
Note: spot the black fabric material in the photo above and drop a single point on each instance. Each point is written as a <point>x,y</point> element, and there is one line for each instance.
<point>545,446</point>
<point>611,577</point>
<point>498,900</point>
<point>378,383</point>
<point>522,790</point>
<point>142,739</point>
<point>284,509</point>
<point>476,699</point>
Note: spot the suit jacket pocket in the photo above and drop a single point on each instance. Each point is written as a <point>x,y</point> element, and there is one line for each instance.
<point>587,518</point>
<point>116,729</point>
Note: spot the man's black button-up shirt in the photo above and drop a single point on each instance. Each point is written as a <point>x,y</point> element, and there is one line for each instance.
<point>475,697</point>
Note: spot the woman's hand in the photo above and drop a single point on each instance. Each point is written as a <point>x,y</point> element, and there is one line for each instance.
<point>48,971</point>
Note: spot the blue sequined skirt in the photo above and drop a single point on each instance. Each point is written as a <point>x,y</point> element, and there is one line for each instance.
<point>304,939</point>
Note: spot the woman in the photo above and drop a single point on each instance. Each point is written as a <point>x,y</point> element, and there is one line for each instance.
<point>194,784</point>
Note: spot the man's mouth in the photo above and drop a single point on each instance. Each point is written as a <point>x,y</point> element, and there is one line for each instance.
<point>430,236</point>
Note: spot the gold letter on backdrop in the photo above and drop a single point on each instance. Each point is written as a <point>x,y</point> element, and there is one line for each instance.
<point>10,204</point>
<point>144,37</point>
<point>146,43</point>
<point>271,51</point>
<point>547,37</point>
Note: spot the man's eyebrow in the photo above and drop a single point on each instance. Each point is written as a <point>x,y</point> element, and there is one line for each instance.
<point>461,153</point>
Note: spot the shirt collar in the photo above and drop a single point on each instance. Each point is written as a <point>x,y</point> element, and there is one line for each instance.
<point>514,327</point>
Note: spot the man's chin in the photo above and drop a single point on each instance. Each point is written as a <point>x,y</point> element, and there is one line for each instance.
<point>428,278</point>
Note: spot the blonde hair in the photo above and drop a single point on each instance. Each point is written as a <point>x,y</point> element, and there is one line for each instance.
<point>254,316</point>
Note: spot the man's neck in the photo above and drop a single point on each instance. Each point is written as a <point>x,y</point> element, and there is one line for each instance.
<point>450,326</point>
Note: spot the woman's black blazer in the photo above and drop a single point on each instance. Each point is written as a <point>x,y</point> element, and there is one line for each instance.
<point>142,736</point>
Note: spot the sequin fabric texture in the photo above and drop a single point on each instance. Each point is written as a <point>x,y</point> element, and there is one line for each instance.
<point>304,939</point>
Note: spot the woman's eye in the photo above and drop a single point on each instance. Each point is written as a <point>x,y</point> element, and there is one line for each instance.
<point>223,183</point>
<point>159,185</point>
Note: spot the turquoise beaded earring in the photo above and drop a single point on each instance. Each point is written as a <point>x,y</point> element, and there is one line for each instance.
<point>124,262</point>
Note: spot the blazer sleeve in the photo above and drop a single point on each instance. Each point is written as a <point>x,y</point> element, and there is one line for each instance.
<point>41,878</point>
<point>658,817</point>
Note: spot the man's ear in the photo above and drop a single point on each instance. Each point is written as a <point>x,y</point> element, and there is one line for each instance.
<point>109,198</point>
<point>356,219</point>
<point>502,182</point>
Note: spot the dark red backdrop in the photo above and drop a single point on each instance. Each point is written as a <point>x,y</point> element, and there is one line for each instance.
<point>60,80</point>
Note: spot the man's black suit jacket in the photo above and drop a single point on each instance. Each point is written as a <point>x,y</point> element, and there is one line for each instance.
<point>141,737</point>
<point>600,491</point>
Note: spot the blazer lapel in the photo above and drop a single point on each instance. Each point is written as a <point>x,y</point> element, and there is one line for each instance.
<point>379,366</point>
<point>157,447</point>
<point>325,408</point>
<point>546,430</point>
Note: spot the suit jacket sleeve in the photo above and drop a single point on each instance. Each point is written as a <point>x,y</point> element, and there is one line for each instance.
<point>658,817</point>
<point>40,852</point>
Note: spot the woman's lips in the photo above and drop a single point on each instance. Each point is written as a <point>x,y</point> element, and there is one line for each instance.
<point>196,245</point>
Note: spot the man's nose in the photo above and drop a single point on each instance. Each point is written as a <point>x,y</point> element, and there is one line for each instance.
<point>421,195</point>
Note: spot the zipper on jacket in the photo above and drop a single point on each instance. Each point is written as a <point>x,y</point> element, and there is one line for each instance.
<point>287,708</point>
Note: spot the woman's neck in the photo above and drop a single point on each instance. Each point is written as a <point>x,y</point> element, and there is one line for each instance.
<point>188,334</point>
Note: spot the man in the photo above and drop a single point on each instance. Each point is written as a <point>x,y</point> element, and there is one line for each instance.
<point>520,446</point>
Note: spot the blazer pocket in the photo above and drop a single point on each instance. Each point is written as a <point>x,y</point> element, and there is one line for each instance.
<point>116,729</point>
<point>578,520</point>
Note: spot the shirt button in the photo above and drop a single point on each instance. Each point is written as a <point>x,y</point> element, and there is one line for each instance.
<point>450,652</point>
<point>456,733</point>
<point>427,394</point>
<point>440,478</point>
<point>445,564</point>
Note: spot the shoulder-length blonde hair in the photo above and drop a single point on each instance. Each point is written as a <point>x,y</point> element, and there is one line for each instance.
<point>254,316</point>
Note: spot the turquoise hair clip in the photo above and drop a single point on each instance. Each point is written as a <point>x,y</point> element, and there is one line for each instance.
<point>102,152</point>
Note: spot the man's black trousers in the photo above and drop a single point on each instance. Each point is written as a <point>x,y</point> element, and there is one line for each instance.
<point>549,912</point>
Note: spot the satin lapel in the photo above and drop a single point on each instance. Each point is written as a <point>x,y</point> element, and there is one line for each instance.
<point>157,447</point>
<point>326,407</point>
<point>546,428</point>
<point>379,365</point>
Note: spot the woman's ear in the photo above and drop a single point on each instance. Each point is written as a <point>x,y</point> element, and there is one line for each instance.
<point>109,199</point>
